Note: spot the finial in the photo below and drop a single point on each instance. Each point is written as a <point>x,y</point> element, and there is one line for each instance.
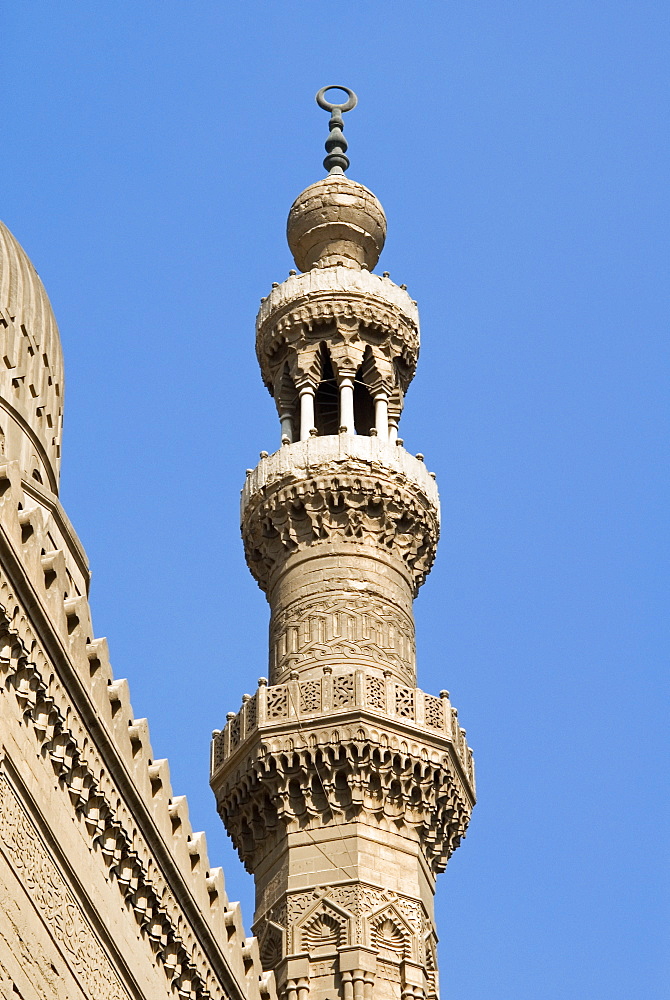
<point>336,162</point>
<point>336,222</point>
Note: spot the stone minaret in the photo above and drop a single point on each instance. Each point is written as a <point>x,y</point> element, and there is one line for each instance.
<point>343,786</point>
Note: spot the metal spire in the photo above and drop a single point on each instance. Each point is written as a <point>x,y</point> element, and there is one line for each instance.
<point>336,162</point>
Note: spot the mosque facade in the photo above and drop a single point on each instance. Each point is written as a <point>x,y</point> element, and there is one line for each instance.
<point>344,786</point>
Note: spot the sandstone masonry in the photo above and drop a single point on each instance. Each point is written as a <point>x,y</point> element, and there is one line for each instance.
<point>344,787</point>
<point>106,892</point>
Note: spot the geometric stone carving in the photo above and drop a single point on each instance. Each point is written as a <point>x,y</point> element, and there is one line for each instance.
<point>389,936</point>
<point>376,693</point>
<point>404,702</point>
<point>323,929</point>
<point>433,711</point>
<point>332,629</point>
<point>271,945</point>
<point>338,693</point>
<point>343,690</point>
<point>431,968</point>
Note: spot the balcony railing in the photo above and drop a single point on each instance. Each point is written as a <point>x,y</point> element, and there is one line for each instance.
<point>333,694</point>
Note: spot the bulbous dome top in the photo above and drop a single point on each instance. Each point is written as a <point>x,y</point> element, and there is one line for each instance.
<point>31,368</point>
<point>336,221</point>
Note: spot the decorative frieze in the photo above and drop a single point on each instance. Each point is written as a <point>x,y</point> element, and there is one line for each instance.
<point>319,921</point>
<point>357,313</point>
<point>355,777</point>
<point>44,703</point>
<point>339,499</point>
<point>332,629</point>
<point>43,882</point>
<point>330,693</point>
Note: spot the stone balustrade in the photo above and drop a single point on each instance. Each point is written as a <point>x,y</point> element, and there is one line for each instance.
<point>334,695</point>
<point>335,453</point>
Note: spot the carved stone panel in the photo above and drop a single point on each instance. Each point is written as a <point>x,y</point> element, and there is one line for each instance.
<point>36,870</point>
<point>341,628</point>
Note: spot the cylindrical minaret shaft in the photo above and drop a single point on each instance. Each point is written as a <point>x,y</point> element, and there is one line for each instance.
<point>345,787</point>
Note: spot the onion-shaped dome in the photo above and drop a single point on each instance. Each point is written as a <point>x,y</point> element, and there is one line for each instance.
<point>336,221</point>
<point>31,369</point>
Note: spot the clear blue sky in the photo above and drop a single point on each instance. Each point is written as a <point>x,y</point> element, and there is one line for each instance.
<point>151,152</point>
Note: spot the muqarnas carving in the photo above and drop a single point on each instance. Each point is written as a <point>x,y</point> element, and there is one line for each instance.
<point>385,510</point>
<point>355,779</point>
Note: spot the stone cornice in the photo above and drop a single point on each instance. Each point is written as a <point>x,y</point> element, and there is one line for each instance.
<point>290,715</point>
<point>364,772</point>
<point>366,309</point>
<point>298,288</point>
<point>341,488</point>
<point>82,719</point>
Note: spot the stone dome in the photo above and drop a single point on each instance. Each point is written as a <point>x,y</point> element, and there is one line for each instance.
<point>336,221</point>
<point>31,369</point>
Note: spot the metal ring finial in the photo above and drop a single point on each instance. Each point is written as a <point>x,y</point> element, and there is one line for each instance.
<point>348,105</point>
<point>336,162</point>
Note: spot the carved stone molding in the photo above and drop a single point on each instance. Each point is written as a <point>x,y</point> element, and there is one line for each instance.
<point>43,702</point>
<point>321,921</point>
<point>271,793</point>
<point>53,899</point>
<point>352,310</point>
<point>340,499</point>
<point>340,698</point>
<point>341,627</point>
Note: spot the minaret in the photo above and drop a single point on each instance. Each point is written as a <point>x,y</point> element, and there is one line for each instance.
<point>343,786</point>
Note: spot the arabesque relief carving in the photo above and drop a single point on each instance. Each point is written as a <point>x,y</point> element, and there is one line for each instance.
<point>382,510</point>
<point>45,885</point>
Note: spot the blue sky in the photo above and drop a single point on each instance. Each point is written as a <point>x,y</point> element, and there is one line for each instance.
<point>151,152</point>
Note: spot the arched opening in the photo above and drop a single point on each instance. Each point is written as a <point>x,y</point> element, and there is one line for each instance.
<point>364,408</point>
<point>287,404</point>
<point>327,401</point>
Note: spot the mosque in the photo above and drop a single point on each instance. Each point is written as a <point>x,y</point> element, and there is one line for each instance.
<point>343,786</point>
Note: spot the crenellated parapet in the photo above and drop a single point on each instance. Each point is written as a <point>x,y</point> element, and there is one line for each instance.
<point>59,696</point>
